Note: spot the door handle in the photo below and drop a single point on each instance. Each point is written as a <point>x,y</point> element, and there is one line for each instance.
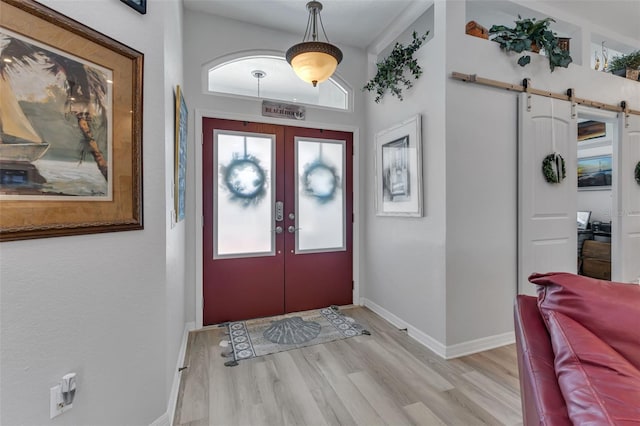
<point>278,230</point>
<point>292,229</point>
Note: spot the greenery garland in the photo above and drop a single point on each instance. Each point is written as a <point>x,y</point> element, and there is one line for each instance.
<point>637,173</point>
<point>549,168</point>
<point>391,71</point>
<point>528,33</point>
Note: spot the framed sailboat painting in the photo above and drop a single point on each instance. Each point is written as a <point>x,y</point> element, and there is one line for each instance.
<point>69,148</point>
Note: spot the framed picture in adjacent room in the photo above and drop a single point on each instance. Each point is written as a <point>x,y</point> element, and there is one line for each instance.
<point>398,169</point>
<point>594,172</point>
<point>70,157</point>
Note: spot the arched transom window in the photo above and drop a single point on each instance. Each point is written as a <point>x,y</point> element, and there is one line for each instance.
<point>271,77</point>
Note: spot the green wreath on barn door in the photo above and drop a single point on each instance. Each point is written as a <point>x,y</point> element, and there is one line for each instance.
<point>553,168</point>
<point>637,173</point>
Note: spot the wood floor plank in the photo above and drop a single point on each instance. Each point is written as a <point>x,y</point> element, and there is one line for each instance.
<point>195,392</point>
<point>383,379</point>
<point>379,399</point>
<point>421,415</point>
<point>336,375</point>
<point>497,368</point>
<point>332,408</point>
<point>266,381</point>
<point>412,369</point>
<point>298,405</point>
<point>486,402</point>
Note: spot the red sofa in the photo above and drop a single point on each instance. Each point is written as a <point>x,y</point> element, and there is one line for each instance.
<point>578,346</point>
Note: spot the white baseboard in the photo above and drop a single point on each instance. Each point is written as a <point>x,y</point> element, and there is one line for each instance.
<point>480,345</point>
<point>446,352</point>
<point>167,418</point>
<point>413,332</point>
<point>163,420</point>
<point>428,341</point>
<point>396,321</point>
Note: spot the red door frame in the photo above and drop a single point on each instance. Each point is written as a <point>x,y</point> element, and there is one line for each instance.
<point>319,279</point>
<point>309,271</point>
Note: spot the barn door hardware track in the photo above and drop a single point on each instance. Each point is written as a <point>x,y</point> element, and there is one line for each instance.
<point>526,87</point>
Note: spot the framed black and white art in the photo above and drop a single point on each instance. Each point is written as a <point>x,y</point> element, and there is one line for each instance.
<point>398,169</point>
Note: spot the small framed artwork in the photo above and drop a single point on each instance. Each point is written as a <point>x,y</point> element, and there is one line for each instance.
<point>180,172</point>
<point>591,129</point>
<point>71,127</point>
<point>398,169</point>
<point>139,5</point>
<point>594,172</point>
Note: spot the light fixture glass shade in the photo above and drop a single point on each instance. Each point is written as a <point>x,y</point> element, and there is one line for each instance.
<point>314,61</point>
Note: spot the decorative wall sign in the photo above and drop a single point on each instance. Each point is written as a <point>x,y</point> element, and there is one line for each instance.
<point>280,110</point>
<point>70,151</point>
<point>399,170</point>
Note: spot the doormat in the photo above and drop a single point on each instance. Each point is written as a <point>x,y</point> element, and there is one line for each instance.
<point>263,336</point>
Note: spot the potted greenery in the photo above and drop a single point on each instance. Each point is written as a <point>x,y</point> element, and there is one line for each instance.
<point>531,35</point>
<point>390,76</point>
<point>626,65</point>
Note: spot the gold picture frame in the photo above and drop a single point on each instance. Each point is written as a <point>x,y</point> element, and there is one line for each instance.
<point>101,111</point>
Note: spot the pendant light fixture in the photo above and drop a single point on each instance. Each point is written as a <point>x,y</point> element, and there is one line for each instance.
<point>312,60</point>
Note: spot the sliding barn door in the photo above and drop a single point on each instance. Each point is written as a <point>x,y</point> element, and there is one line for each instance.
<point>628,264</point>
<point>546,212</point>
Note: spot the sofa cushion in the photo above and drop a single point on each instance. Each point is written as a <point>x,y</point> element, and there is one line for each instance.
<point>542,400</point>
<point>608,309</point>
<point>599,386</point>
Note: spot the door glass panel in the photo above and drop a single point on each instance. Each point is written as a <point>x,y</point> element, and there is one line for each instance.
<point>320,201</point>
<point>243,194</point>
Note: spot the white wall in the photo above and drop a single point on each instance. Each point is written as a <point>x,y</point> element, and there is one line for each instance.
<point>208,37</point>
<point>482,174</point>
<point>405,257</point>
<point>599,203</point>
<point>103,305</point>
<point>176,243</point>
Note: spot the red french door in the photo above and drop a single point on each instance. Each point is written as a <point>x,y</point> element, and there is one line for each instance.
<point>278,212</point>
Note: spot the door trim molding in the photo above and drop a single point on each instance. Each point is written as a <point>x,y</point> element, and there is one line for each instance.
<point>614,118</point>
<point>200,114</point>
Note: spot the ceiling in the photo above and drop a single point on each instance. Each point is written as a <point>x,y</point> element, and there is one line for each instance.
<point>359,23</point>
<point>355,23</point>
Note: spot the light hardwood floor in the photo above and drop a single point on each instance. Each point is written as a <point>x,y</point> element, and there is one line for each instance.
<point>383,379</point>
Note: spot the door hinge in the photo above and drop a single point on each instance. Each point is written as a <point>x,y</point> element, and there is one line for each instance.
<point>203,221</point>
<point>353,217</point>
<point>352,285</point>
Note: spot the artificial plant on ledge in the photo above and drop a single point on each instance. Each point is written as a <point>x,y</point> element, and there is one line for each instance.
<point>531,35</point>
<point>390,76</point>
